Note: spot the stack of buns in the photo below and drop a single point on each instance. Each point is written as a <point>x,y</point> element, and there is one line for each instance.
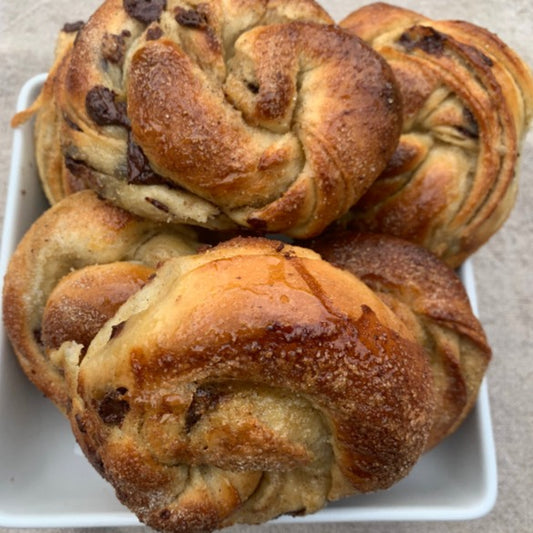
<point>243,296</point>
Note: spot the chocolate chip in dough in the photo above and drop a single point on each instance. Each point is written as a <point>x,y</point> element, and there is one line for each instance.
<point>470,128</point>
<point>158,205</point>
<point>139,170</point>
<point>204,399</point>
<point>116,330</point>
<point>70,123</point>
<point>113,408</point>
<point>114,47</point>
<point>154,33</point>
<point>191,18</point>
<point>427,39</point>
<point>252,87</point>
<point>145,11</point>
<point>104,109</point>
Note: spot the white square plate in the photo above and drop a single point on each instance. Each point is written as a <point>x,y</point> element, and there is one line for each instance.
<point>46,482</point>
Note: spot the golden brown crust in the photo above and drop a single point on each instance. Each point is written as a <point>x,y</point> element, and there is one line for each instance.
<point>430,298</point>
<point>83,301</point>
<point>78,231</point>
<point>265,381</point>
<point>468,100</point>
<point>261,114</point>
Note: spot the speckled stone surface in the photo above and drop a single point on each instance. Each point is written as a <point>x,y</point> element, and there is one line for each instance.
<point>503,267</point>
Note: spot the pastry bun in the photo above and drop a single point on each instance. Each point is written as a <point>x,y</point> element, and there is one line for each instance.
<point>467,103</point>
<point>431,300</point>
<point>248,381</point>
<point>259,114</point>
<point>80,230</point>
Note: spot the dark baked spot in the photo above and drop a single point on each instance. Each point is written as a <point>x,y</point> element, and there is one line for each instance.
<point>116,330</point>
<point>112,409</point>
<point>154,33</point>
<point>159,205</point>
<point>145,11</point>
<point>191,18</point>
<point>104,109</point>
<point>205,398</point>
<point>427,39</point>
<point>71,27</point>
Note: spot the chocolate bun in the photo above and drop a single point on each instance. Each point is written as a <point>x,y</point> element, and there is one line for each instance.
<point>260,114</point>
<point>229,385</point>
<point>79,231</point>
<point>467,103</point>
<point>245,382</point>
<point>430,298</point>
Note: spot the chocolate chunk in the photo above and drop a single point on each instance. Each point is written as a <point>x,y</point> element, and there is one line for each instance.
<point>427,39</point>
<point>71,27</point>
<point>252,87</point>
<point>80,175</point>
<point>159,205</point>
<point>78,169</point>
<point>191,18</point>
<point>486,59</point>
<point>80,423</point>
<point>139,170</point>
<point>104,109</point>
<point>145,11</point>
<point>257,224</point>
<point>72,125</point>
<point>154,33</point>
<point>204,399</point>
<point>37,335</point>
<point>165,514</point>
<point>114,48</point>
<point>113,408</point>
<point>471,128</point>
<point>116,330</point>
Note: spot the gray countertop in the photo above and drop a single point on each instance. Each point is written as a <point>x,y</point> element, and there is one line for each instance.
<point>503,267</point>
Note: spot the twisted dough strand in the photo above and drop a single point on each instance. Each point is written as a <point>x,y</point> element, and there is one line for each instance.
<point>82,230</point>
<point>468,100</point>
<point>431,300</point>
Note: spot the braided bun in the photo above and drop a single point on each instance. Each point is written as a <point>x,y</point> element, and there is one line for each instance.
<point>468,100</point>
<point>259,114</point>
<point>81,230</point>
<point>248,381</point>
<point>429,297</point>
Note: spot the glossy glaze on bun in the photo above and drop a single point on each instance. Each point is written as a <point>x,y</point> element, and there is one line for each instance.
<point>430,298</point>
